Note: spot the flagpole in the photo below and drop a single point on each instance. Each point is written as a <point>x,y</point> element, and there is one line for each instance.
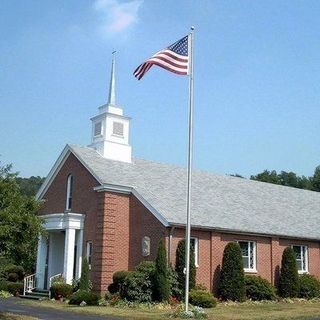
<point>190,145</point>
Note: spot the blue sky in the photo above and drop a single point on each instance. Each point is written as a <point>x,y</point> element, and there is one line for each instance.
<point>257,81</point>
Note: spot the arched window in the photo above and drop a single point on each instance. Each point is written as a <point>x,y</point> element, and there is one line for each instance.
<point>69,192</point>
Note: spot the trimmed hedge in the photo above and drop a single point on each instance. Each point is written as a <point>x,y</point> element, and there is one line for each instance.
<point>309,286</point>
<point>15,288</point>
<point>118,280</point>
<point>202,298</point>
<point>3,285</point>
<point>232,286</point>
<point>289,278</point>
<point>258,288</point>
<point>14,273</point>
<point>90,298</point>
<point>61,290</point>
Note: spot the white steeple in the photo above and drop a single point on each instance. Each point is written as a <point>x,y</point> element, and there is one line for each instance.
<point>110,128</point>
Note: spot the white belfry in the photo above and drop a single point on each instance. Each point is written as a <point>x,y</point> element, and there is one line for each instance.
<point>110,128</point>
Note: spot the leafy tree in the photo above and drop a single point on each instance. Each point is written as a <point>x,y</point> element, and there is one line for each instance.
<point>30,186</point>
<point>316,179</point>
<point>161,276</point>
<point>19,224</point>
<point>289,278</point>
<point>180,266</point>
<point>232,281</point>
<point>267,176</point>
<point>84,283</point>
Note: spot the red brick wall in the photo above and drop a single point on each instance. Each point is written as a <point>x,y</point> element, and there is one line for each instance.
<point>116,224</point>
<point>269,253</point>
<point>122,222</point>
<point>84,198</point>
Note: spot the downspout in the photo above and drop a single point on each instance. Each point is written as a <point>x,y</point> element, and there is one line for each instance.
<point>170,244</point>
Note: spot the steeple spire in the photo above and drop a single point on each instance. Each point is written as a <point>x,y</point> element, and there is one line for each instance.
<point>112,87</point>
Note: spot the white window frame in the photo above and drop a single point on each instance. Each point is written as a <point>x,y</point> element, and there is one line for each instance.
<point>196,250</point>
<point>69,194</point>
<point>89,248</point>
<point>304,255</point>
<point>254,244</point>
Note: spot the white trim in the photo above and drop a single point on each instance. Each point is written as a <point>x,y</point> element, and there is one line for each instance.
<point>69,191</point>
<point>254,269</point>
<point>196,250</point>
<point>304,254</point>
<point>61,221</point>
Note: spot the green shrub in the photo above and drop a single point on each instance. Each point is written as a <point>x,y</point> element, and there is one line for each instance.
<point>232,285</point>
<point>118,279</point>
<point>161,282</point>
<point>137,286</point>
<point>15,288</point>
<point>175,291</point>
<point>202,298</point>
<point>289,278</point>
<point>309,287</point>
<point>61,290</point>
<point>13,277</point>
<point>14,272</point>
<point>180,265</point>
<point>3,285</point>
<point>90,298</point>
<point>258,288</point>
<point>146,267</point>
<point>84,283</point>
<point>5,294</point>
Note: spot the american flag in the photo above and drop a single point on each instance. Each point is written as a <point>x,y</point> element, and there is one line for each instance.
<point>173,58</point>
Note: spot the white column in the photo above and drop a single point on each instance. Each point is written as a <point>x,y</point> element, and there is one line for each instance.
<point>69,254</point>
<point>79,253</point>
<point>41,261</point>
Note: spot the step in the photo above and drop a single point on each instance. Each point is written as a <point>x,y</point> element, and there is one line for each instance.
<point>42,291</point>
<point>33,297</point>
<point>38,294</point>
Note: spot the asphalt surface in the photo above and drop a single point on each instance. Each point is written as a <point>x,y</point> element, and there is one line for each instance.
<point>15,306</point>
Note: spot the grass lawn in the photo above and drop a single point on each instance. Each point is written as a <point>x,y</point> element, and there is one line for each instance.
<point>10,316</point>
<point>302,310</point>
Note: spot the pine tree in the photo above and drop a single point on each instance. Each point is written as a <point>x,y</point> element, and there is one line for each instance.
<point>84,283</point>
<point>180,266</point>
<point>232,284</point>
<point>161,276</point>
<point>289,278</point>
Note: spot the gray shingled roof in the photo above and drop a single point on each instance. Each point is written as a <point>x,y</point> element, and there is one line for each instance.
<point>218,202</point>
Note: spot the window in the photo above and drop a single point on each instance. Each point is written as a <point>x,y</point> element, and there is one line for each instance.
<point>301,257</point>
<point>117,128</point>
<point>194,242</point>
<point>97,129</point>
<point>89,253</point>
<point>248,250</point>
<point>69,192</point>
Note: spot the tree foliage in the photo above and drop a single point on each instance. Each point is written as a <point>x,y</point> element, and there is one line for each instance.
<point>290,179</point>
<point>180,265</point>
<point>30,186</point>
<point>19,224</point>
<point>84,283</point>
<point>232,281</point>
<point>161,276</point>
<point>289,278</point>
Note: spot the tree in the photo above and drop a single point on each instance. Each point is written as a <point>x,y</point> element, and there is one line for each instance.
<point>84,283</point>
<point>316,179</point>
<point>161,276</point>
<point>20,225</point>
<point>267,176</point>
<point>30,186</point>
<point>180,266</point>
<point>232,281</point>
<point>289,278</point>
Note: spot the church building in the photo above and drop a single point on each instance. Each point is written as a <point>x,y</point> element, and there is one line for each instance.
<point>101,203</point>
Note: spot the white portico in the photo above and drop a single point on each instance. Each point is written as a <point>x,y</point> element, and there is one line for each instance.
<point>61,251</point>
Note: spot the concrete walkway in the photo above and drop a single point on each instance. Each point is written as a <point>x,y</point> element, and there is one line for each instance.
<point>15,306</point>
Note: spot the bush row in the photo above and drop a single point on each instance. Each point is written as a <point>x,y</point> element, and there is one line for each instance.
<point>15,288</point>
